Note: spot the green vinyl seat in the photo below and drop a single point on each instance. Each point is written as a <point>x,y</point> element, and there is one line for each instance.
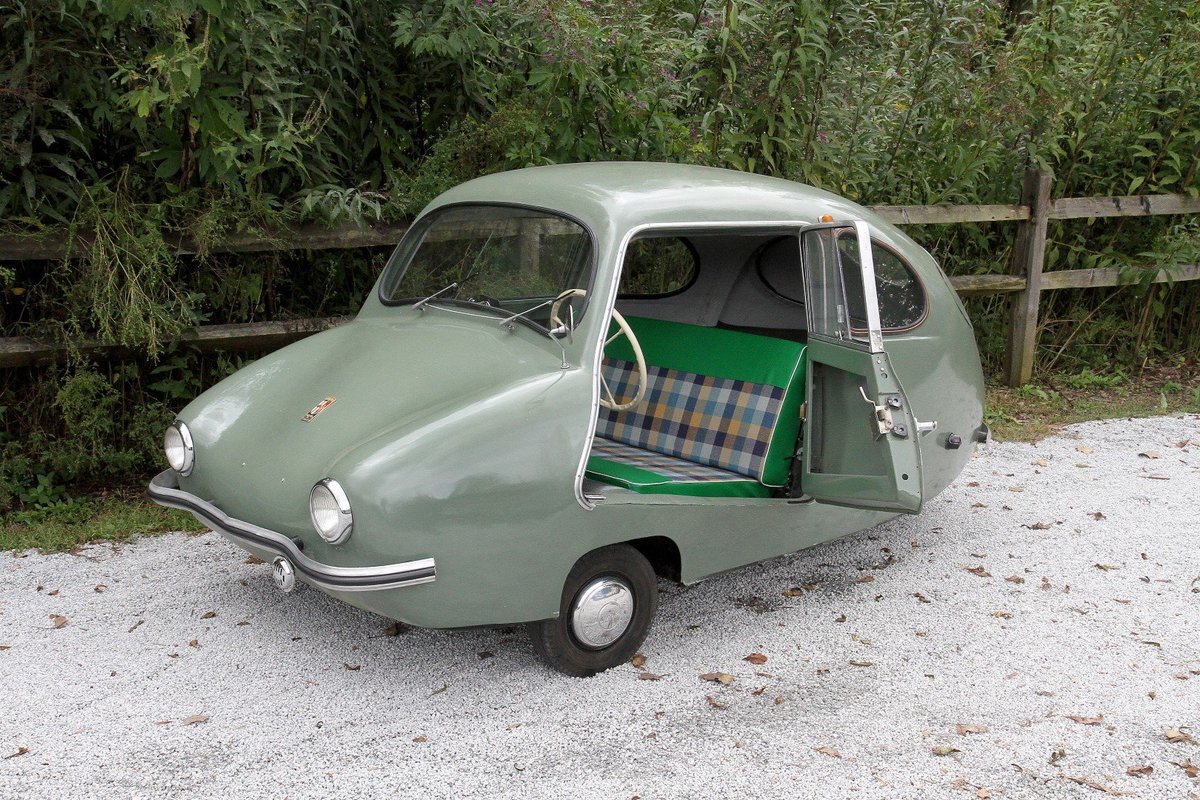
<point>719,417</point>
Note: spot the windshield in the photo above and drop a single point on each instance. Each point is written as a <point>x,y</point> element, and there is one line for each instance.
<point>510,259</point>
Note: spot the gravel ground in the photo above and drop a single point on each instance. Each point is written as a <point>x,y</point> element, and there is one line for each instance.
<point>1051,597</point>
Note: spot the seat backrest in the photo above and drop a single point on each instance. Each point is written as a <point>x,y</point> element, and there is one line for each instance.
<point>723,398</point>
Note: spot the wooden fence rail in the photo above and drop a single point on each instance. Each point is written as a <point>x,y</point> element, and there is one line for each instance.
<point>1025,280</point>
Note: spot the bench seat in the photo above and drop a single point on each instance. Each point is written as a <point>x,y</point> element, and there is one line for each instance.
<point>719,417</point>
<point>647,472</point>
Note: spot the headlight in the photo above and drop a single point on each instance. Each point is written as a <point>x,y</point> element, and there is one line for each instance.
<point>329,509</point>
<point>177,442</point>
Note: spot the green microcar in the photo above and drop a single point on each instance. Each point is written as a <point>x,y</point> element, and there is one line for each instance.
<point>572,379</point>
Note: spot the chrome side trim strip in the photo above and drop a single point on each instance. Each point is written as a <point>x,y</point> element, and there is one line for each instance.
<point>164,490</point>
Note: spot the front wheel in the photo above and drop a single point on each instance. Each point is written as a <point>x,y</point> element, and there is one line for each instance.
<point>608,601</point>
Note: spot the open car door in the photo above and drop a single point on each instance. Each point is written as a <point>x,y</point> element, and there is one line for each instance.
<point>860,445</point>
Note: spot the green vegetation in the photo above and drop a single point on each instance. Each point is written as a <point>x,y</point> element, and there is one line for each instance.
<point>66,525</point>
<point>131,124</point>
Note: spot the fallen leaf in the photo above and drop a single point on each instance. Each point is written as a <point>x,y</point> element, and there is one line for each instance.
<point>194,719</point>
<point>795,591</point>
<point>52,593</point>
<point>59,620</point>
<point>420,739</point>
<point>1016,488</point>
<point>756,658</point>
<point>1177,735</point>
<point>445,686</point>
<point>194,643</point>
<point>1139,770</point>
<point>865,579</point>
<point>4,647</point>
<point>352,667</point>
<point>1083,448</point>
<point>945,750</point>
<point>254,560</point>
<point>1086,720</point>
<point>983,793</point>
<point>1038,526</point>
<point>973,484</point>
<point>395,629</point>
<point>1098,515</point>
<point>778,699</point>
<point>1057,755</point>
<point>1190,769</point>
<point>1045,582</point>
<point>1015,579</point>
<point>208,615</point>
<point>1091,784</point>
<point>1002,615</point>
<point>1107,567</point>
<point>244,622</point>
<point>21,750</point>
<point>1041,462</point>
<point>921,598</point>
<point>979,571</point>
<point>1149,454</point>
<point>979,505</point>
<point>854,663</point>
<point>1182,443</point>
<point>825,750</point>
<point>713,702</point>
<point>638,661</point>
<point>649,676</point>
<point>758,692</point>
<point>483,654</point>
<point>162,722</point>
<point>717,677</point>
<point>99,587</point>
<point>840,618</point>
<point>965,728</point>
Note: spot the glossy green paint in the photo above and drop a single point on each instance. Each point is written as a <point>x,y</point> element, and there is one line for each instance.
<point>459,440</point>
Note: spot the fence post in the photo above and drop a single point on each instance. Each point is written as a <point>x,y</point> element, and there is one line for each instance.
<point>1029,252</point>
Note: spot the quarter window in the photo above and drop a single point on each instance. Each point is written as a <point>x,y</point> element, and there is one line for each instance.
<point>656,266</point>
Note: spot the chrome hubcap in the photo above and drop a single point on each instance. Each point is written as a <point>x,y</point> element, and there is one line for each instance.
<point>602,612</point>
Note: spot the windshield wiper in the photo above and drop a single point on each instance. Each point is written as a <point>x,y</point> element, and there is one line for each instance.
<point>417,305</point>
<point>520,315</point>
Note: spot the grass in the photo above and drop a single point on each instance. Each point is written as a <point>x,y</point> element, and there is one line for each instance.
<point>1026,414</point>
<point>1035,411</point>
<point>112,517</point>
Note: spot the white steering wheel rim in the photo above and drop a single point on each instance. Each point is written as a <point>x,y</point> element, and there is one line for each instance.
<point>610,402</point>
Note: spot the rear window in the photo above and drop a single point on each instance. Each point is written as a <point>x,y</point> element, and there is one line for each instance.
<point>656,266</point>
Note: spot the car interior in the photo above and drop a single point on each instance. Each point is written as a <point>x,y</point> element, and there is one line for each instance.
<point>720,319</point>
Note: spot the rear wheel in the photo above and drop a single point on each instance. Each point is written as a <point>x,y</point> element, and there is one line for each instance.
<point>608,602</point>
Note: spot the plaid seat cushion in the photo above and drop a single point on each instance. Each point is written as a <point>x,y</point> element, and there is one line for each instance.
<point>655,473</point>
<point>715,422</point>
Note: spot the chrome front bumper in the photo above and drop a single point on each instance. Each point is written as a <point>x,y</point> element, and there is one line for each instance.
<point>164,490</point>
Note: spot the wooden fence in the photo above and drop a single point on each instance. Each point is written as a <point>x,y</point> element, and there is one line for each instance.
<point>1025,280</point>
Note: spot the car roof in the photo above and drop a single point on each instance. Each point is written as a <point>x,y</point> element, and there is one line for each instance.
<point>614,196</point>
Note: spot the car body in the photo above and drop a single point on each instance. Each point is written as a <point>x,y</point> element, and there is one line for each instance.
<point>455,433</point>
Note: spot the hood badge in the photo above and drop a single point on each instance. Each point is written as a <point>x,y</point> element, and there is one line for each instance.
<point>317,409</point>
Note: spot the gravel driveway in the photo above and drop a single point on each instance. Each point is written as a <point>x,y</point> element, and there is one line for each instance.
<point>1049,600</point>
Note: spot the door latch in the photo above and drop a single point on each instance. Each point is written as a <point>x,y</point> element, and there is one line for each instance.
<point>882,422</point>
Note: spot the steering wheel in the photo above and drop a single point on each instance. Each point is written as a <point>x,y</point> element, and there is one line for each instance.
<point>607,398</point>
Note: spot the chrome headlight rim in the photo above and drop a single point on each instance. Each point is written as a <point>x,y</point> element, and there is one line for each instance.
<point>188,460</point>
<point>345,519</point>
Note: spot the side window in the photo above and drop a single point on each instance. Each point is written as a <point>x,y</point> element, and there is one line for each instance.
<point>901,296</point>
<point>657,266</point>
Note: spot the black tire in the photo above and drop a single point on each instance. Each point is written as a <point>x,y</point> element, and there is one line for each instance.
<point>554,639</point>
